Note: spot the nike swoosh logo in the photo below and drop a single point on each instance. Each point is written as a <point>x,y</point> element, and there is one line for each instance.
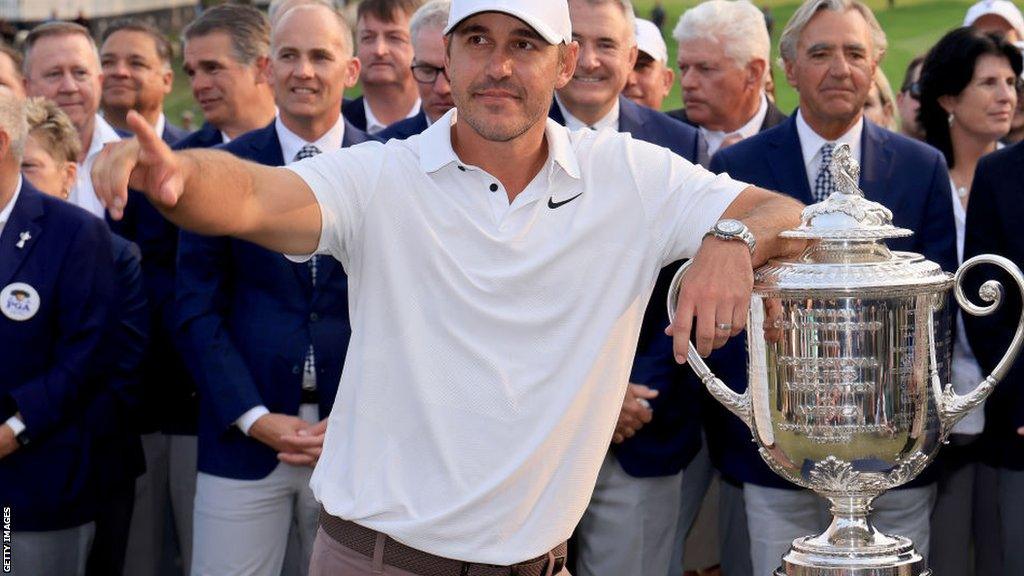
<point>552,204</point>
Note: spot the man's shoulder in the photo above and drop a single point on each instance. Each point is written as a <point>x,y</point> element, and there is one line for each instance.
<point>206,137</point>
<point>255,144</point>
<point>679,114</point>
<point>757,143</point>
<point>1008,157</point>
<point>173,134</point>
<point>908,149</point>
<point>404,128</point>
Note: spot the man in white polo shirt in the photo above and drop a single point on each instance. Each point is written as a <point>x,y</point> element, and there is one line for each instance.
<point>499,267</point>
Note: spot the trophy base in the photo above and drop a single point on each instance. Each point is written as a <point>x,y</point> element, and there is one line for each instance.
<point>808,557</point>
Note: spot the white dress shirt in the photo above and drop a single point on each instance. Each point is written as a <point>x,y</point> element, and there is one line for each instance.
<point>373,125</point>
<point>82,194</point>
<point>752,127</point>
<point>490,352</point>
<point>811,143</point>
<point>610,120</point>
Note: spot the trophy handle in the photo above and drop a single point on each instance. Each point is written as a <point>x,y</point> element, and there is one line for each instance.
<point>952,406</point>
<point>738,404</point>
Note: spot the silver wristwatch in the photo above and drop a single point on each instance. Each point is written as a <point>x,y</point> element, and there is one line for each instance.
<point>729,229</point>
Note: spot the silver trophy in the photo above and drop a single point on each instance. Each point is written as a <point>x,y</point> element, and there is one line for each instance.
<point>849,350</point>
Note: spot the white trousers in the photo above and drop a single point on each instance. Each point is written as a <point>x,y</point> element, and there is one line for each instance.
<point>630,525</point>
<point>776,517</point>
<point>241,527</point>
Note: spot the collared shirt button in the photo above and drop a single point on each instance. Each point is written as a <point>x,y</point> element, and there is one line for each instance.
<point>296,369</point>
<point>314,317</point>
<point>494,187</point>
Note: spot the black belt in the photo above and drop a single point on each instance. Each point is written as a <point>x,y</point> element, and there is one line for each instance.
<point>364,541</point>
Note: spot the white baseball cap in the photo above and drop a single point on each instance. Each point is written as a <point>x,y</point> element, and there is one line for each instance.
<point>649,40</point>
<point>550,18</point>
<point>1002,8</point>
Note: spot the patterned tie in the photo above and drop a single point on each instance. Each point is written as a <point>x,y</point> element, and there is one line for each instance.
<point>824,185</point>
<point>309,370</point>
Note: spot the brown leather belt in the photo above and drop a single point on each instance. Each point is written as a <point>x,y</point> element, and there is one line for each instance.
<point>365,541</point>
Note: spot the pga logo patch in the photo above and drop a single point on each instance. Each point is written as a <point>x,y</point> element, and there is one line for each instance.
<point>19,301</point>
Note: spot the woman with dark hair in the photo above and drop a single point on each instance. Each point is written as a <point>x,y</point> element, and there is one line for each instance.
<point>968,92</point>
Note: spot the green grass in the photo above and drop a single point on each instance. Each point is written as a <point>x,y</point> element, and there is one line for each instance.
<point>912,27</point>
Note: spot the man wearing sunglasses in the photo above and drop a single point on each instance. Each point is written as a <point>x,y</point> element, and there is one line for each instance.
<point>425,28</point>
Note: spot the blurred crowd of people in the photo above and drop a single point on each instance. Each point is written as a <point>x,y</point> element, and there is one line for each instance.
<point>165,394</point>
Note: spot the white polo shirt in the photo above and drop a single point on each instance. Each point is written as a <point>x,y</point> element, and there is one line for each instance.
<point>491,343</point>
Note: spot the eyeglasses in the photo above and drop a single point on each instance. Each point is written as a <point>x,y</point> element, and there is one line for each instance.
<point>427,74</point>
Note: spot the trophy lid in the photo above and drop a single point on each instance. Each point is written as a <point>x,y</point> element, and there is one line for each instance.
<point>849,251</point>
<point>846,215</point>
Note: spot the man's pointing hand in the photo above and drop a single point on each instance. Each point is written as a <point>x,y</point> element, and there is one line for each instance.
<point>144,163</point>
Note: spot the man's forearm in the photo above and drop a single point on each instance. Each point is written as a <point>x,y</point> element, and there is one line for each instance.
<point>767,214</point>
<point>226,196</point>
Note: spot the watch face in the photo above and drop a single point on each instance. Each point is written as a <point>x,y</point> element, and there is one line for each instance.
<point>729,227</point>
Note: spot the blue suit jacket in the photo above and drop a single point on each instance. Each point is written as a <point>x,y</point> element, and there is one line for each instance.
<point>112,417</point>
<point>995,218</point>
<point>908,177</point>
<point>355,112</point>
<point>405,128</point>
<point>207,136</point>
<point>169,403</point>
<point>173,134</point>
<point>248,316</point>
<point>50,361</point>
<point>668,443</point>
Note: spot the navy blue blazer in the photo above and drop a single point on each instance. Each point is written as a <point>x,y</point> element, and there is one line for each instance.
<point>50,361</point>
<point>173,134</point>
<point>908,177</point>
<point>355,112</point>
<point>207,136</point>
<point>654,127</point>
<point>170,403</point>
<point>667,444</point>
<point>995,218</point>
<point>248,316</point>
<point>112,415</point>
<point>405,128</point>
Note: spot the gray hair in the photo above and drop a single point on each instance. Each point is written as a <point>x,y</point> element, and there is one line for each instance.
<point>14,123</point>
<point>791,34</point>
<point>247,27</point>
<point>433,14</point>
<point>735,25</point>
<point>339,18</point>
<point>626,7</point>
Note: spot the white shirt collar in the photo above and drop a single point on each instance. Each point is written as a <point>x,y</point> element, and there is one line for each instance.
<point>436,150</point>
<point>373,125</point>
<point>610,120</point>
<point>5,214</point>
<point>102,133</point>
<point>291,143</point>
<point>161,124</point>
<point>811,143</point>
<point>752,127</point>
